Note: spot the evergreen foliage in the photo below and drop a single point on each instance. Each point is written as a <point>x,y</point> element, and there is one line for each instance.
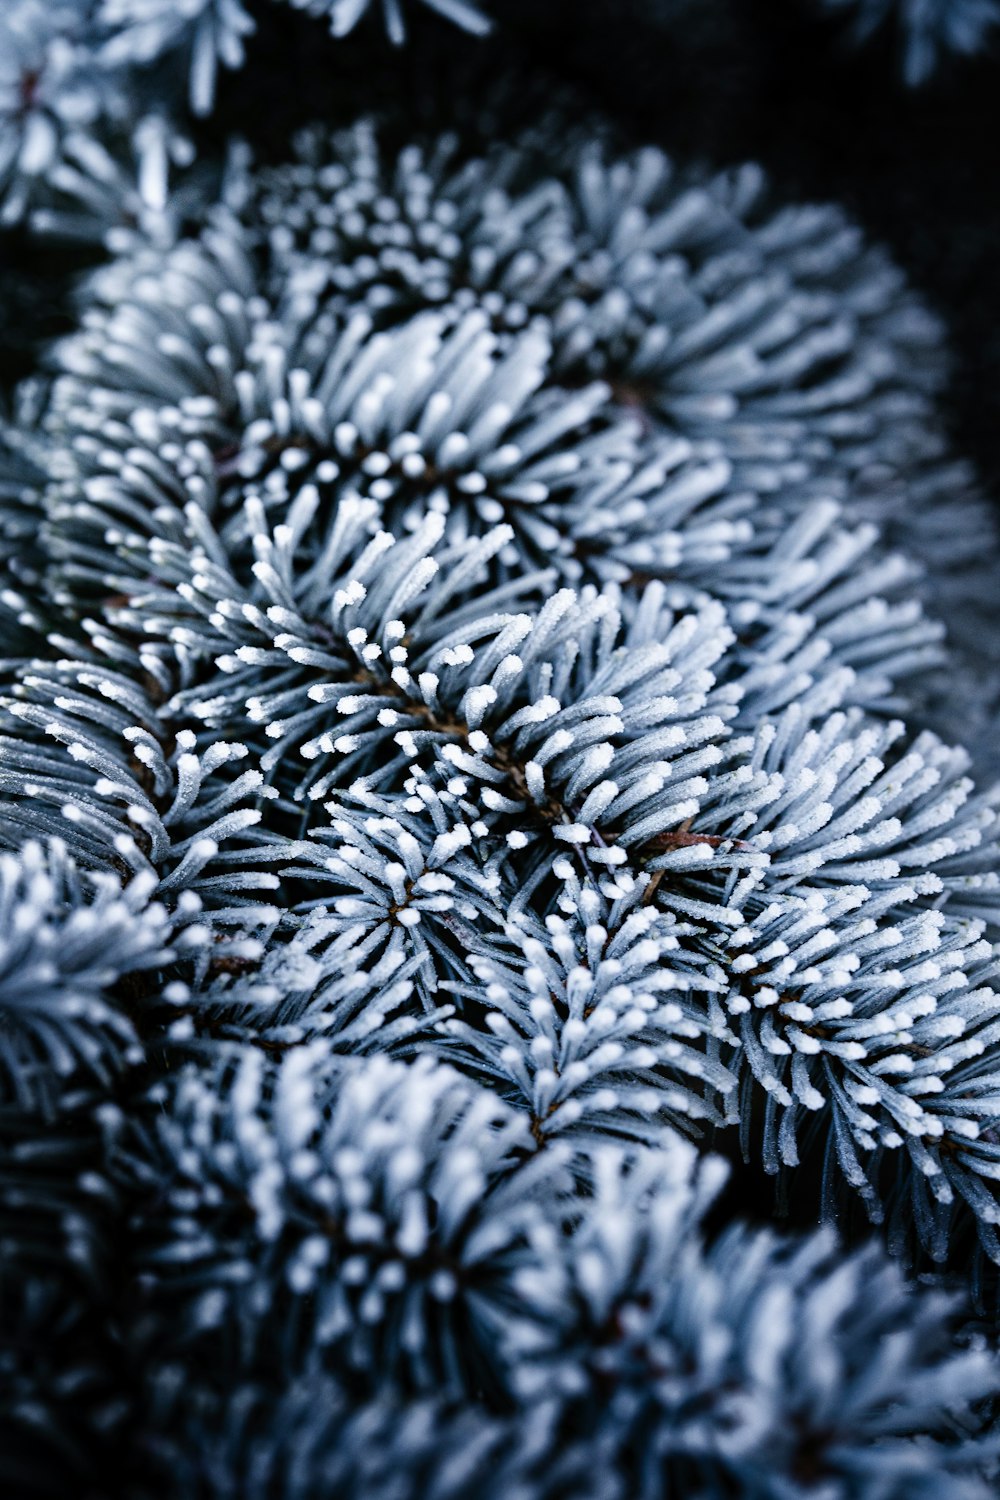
<point>468,763</point>
<point>709,309</point>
